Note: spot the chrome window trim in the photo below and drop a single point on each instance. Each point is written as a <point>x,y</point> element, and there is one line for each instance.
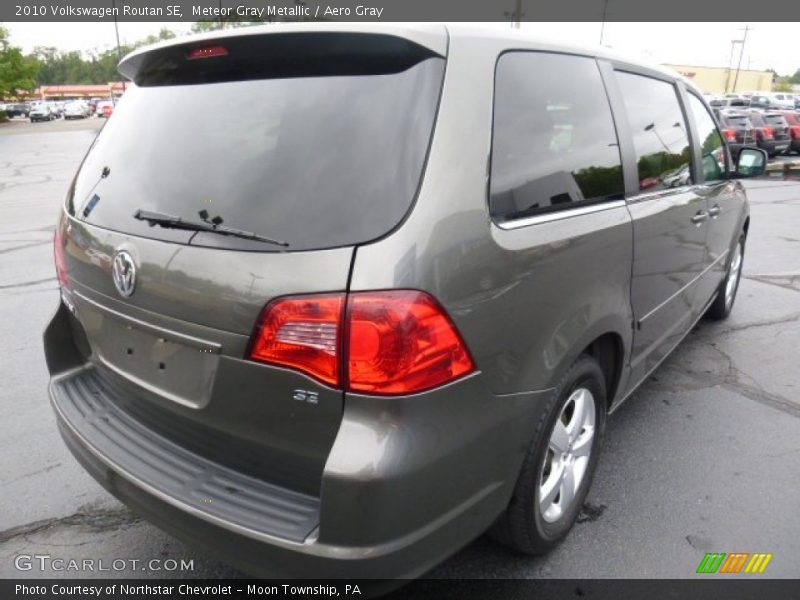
<point>561,214</point>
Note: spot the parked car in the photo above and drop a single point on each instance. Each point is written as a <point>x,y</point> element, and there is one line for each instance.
<point>772,131</point>
<point>723,103</point>
<point>104,108</point>
<point>76,110</point>
<point>17,110</point>
<point>41,112</point>
<point>737,130</point>
<point>781,100</point>
<point>360,371</point>
<point>678,177</point>
<point>793,121</point>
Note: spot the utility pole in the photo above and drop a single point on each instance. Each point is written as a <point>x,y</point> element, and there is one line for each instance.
<point>741,54</point>
<point>603,22</point>
<point>516,16</point>
<point>730,65</point>
<point>119,51</point>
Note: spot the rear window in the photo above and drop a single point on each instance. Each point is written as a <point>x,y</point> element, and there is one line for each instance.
<point>776,120</point>
<point>328,152</point>
<point>739,122</point>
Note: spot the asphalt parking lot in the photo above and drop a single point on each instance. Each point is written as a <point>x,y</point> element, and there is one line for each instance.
<point>705,457</point>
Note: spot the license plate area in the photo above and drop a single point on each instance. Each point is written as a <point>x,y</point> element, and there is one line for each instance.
<point>175,366</point>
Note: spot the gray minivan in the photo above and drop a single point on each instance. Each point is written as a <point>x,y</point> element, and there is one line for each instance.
<point>337,298</point>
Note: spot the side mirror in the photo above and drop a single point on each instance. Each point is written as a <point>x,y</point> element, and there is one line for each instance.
<point>752,162</point>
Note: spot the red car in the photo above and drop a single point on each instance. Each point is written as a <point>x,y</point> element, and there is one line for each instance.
<point>793,119</point>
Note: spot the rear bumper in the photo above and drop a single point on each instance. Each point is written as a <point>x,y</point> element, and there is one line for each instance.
<point>407,483</point>
<point>774,146</point>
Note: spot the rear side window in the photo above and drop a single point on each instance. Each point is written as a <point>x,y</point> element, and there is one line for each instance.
<point>316,140</point>
<point>712,147</point>
<point>554,145</point>
<point>659,132</point>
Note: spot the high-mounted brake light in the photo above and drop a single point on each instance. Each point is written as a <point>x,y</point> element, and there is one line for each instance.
<point>207,52</point>
<point>386,342</point>
<point>60,258</point>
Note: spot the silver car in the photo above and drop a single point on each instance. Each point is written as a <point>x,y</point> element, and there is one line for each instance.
<point>373,291</point>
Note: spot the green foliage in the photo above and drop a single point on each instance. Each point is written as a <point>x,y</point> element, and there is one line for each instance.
<point>59,68</point>
<point>3,116</point>
<point>796,77</point>
<point>17,72</point>
<point>215,24</point>
<point>782,84</point>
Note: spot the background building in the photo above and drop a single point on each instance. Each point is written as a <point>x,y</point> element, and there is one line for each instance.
<point>56,92</point>
<point>720,80</point>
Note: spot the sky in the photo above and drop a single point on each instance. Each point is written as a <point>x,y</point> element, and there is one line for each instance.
<point>769,45</point>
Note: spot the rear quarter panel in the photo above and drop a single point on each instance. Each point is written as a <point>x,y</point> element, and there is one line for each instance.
<point>527,301</point>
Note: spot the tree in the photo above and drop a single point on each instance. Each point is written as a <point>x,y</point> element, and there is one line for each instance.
<point>163,34</point>
<point>796,76</point>
<point>231,22</point>
<point>17,72</point>
<point>783,84</point>
<point>97,67</point>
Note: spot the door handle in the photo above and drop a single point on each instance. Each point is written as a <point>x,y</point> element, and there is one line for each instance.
<point>700,217</point>
<point>714,211</point>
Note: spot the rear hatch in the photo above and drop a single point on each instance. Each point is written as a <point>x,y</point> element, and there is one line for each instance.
<point>741,126</point>
<point>779,126</point>
<point>301,146</point>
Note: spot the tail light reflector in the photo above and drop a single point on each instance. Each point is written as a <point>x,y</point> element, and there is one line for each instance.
<point>387,342</point>
<point>60,259</point>
<point>301,333</point>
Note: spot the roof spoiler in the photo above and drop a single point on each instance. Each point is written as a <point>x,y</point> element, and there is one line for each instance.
<point>290,50</point>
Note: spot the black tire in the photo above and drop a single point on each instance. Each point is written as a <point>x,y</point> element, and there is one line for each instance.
<point>522,526</point>
<point>722,306</point>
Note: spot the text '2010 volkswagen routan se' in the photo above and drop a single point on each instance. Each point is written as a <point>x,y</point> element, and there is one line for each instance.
<point>337,299</point>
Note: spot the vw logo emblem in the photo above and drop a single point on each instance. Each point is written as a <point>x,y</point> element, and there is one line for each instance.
<point>123,271</point>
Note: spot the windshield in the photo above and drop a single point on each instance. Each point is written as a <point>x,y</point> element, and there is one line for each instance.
<point>317,161</point>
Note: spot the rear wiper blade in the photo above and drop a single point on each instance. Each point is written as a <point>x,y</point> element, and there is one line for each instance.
<point>173,222</point>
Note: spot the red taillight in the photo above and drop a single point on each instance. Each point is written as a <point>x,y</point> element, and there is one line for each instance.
<point>397,342</point>
<point>401,342</point>
<point>767,132</point>
<point>60,258</point>
<point>729,134</point>
<point>301,333</point>
<point>795,132</point>
<point>207,52</point>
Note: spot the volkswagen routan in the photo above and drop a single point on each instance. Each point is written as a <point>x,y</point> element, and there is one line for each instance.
<point>336,299</point>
